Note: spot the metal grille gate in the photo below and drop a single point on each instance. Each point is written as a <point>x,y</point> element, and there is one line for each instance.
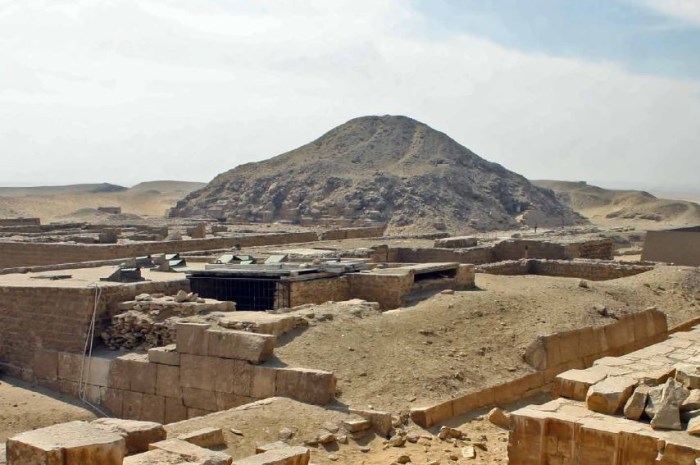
<point>248,293</point>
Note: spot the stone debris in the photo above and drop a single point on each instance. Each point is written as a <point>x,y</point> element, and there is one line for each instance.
<point>688,375</point>
<point>192,452</point>
<point>450,433</point>
<point>664,403</point>
<point>610,395</point>
<point>137,434</point>
<point>634,408</point>
<point>290,455</point>
<point>500,418</point>
<point>150,322</point>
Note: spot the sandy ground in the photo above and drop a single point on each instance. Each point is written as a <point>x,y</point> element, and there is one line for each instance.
<point>25,407</point>
<point>450,344</point>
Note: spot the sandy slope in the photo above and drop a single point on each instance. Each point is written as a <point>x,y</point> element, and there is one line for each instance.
<point>79,203</point>
<point>608,207</point>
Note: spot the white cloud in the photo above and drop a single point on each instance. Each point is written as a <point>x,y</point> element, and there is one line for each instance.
<point>129,90</point>
<point>687,11</point>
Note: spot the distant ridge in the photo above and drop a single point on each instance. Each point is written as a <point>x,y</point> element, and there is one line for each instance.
<point>57,190</point>
<point>379,168</point>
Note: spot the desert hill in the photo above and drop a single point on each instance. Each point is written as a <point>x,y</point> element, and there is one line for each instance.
<point>80,202</point>
<point>379,168</point>
<point>611,207</point>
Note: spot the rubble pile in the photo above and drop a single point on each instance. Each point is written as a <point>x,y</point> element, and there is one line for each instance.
<point>150,319</point>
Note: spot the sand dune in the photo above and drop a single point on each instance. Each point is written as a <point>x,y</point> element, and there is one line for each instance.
<point>80,202</point>
<point>609,207</point>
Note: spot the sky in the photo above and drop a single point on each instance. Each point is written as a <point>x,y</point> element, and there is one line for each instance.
<point>125,91</point>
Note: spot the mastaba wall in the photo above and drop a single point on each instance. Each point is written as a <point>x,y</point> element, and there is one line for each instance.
<point>58,318</point>
<point>678,246</point>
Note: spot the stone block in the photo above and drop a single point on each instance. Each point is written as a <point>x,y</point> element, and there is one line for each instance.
<point>73,443</point>
<point>263,382</point>
<point>574,384</point>
<point>355,425</point>
<point>142,375</point>
<point>196,412</point>
<point>634,408</point>
<point>234,376</point>
<point>97,370</point>
<point>132,403</point>
<point>610,395</point>
<point>137,434</point>
<point>260,449</point>
<point>153,408</point>
<point>175,410</point>
<point>688,375</point>
<point>240,345</point>
<point>168,381</point>
<point>192,338</point>
<point>198,371</point>
<point>46,364</point>
<point>292,455</point>
<point>158,457</point>
<point>205,437</point>
<point>200,399</point>
<point>167,355</point>
<point>192,452</point>
<point>69,366</point>
<point>380,421</point>
<point>306,385</point>
<point>119,373</point>
<point>112,401</point>
<point>228,400</point>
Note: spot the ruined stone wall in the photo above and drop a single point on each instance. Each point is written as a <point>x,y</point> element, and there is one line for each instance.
<point>318,291</point>
<point>209,369</point>
<point>593,270</point>
<point>679,247</point>
<point>352,233</point>
<point>58,318</point>
<point>474,255</point>
<point>17,254</point>
<point>517,249</point>
<point>388,290</point>
<point>602,249</point>
<point>553,354</point>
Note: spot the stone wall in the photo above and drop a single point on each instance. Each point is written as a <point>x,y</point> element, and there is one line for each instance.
<point>20,221</point>
<point>554,354</point>
<point>209,369</point>
<point>352,233</point>
<point>473,255</point>
<point>58,318</point>
<point>593,270</point>
<point>318,291</point>
<point>678,247</point>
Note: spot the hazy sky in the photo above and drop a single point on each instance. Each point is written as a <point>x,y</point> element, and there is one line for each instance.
<point>130,90</point>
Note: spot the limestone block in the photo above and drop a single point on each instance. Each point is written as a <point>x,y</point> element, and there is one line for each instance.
<point>240,345</point>
<point>112,401</point>
<point>153,408</point>
<point>293,455</point>
<point>688,375</point>
<point>270,446</point>
<point>167,355</point>
<point>694,426</point>
<point>192,338</point>
<point>306,385</point>
<point>664,402</point>
<point>200,399</point>
<point>228,400</point>
<point>168,381</point>
<point>73,443</point>
<point>159,457</point>
<point>137,434</point>
<point>499,418</point>
<point>263,382</point>
<point>119,373</point>
<point>355,425</point>
<point>192,452</point>
<point>205,437</point>
<point>233,376</point>
<point>69,366</point>
<point>380,421</point>
<point>142,375</point>
<point>574,384</point>
<point>610,395</point>
<point>196,412</point>
<point>175,410</point>
<point>46,364</point>
<point>198,371</point>
<point>634,408</point>
<point>131,405</point>
<point>692,402</point>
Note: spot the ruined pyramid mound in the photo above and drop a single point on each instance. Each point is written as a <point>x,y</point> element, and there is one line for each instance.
<point>389,169</point>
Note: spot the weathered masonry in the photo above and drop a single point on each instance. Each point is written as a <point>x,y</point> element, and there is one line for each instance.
<point>679,246</point>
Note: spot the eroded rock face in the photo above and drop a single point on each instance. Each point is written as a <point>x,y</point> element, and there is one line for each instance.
<point>378,168</point>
